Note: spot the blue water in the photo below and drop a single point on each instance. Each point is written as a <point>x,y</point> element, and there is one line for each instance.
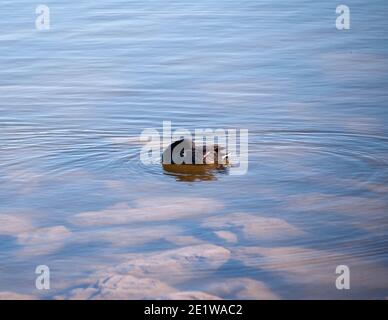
<point>75,196</point>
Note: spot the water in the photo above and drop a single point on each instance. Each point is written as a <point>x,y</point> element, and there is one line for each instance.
<point>74,195</point>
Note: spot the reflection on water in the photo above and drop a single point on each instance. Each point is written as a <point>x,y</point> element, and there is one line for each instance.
<point>75,196</point>
<point>190,173</point>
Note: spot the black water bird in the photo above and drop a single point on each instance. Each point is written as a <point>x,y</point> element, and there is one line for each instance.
<point>185,152</point>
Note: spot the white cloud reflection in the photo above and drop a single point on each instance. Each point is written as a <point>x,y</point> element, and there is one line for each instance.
<point>43,240</point>
<point>128,287</point>
<point>153,275</point>
<point>11,224</point>
<point>149,209</point>
<point>226,236</point>
<point>313,267</point>
<point>8,295</point>
<point>253,227</point>
<point>242,288</point>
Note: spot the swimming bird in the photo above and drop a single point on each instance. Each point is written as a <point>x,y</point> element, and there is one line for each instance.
<point>184,151</point>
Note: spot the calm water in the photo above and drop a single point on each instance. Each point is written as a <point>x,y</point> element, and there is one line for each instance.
<point>74,195</point>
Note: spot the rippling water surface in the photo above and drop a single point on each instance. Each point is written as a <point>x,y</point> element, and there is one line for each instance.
<point>75,196</point>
